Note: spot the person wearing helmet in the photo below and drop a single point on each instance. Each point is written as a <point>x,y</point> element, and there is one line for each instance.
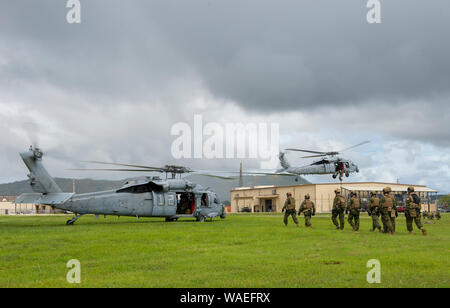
<point>289,209</point>
<point>308,208</point>
<point>388,206</point>
<point>438,214</point>
<point>354,209</point>
<point>338,210</point>
<point>412,211</point>
<point>393,215</point>
<point>374,211</point>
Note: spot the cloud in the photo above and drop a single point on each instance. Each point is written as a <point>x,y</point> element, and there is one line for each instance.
<point>112,87</point>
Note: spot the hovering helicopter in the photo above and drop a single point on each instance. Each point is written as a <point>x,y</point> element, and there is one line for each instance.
<point>330,163</point>
<point>146,196</point>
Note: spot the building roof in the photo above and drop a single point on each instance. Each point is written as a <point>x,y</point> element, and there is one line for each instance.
<point>7,198</point>
<point>354,186</point>
<point>403,188</point>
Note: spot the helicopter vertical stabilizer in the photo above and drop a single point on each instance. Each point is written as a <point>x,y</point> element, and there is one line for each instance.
<point>40,180</point>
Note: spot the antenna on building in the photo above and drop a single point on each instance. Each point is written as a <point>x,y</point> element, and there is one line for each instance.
<point>241,180</point>
<point>398,182</point>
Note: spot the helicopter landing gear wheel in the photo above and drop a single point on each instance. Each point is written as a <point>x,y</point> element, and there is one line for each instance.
<point>347,174</point>
<point>334,176</point>
<point>70,222</point>
<point>296,179</point>
<point>201,218</point>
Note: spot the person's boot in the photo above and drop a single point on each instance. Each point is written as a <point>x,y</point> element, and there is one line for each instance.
<point>424,232</point>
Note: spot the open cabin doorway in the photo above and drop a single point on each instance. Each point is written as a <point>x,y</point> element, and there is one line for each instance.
<point>185,203</point>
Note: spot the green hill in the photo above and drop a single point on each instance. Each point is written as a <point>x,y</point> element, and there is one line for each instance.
<point>221,187</point>
<point>81,186</point>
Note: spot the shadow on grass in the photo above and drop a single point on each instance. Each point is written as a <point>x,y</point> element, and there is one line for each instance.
<point>80,223</point>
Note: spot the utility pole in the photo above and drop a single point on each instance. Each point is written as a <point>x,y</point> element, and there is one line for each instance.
<point>241,180</point>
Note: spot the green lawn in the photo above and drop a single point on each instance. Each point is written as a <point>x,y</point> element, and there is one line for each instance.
<point>243,250</point>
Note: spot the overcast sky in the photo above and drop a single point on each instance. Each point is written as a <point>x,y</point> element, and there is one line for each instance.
<point>112,87</point>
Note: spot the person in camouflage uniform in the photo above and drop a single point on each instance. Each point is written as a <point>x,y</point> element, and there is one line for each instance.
<point>338,210</point>
<point>354,209</point>
<point>374,211</point>
<point>289,210</point>
<point>388,207</point>
<point>438,214</point>
<point>308,208</point>
<point>393,215</point>
<point>412,211</point>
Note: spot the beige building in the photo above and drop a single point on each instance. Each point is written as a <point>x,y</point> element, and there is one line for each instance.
<point>271,198</point>
<point>8,207</point>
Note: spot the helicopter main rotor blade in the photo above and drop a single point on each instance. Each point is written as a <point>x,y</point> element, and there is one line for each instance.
<point>357,145</point>
<point>124,165</point>
<point>321,155</point>
<point>307,151</point>
<point>217,176</point>
<point>267,173</point>
<point>121,170</point>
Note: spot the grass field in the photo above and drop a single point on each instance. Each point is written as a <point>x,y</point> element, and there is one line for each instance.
<point>243,250</point>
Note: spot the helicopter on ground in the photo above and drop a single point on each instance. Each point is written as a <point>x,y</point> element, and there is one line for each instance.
<point>148,196</point>
<point>329,163</point>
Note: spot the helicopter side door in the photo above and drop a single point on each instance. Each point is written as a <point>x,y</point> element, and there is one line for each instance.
<point>164,204</point>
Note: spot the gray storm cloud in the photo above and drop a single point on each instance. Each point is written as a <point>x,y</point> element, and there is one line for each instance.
<point>111,87</point>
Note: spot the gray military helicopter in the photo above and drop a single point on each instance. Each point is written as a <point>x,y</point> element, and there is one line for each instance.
<point>146,196</point>
<point>329,163</point>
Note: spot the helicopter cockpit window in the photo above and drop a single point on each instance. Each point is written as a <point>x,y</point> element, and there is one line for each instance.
<point>205,200</point>
<point>216,200</point>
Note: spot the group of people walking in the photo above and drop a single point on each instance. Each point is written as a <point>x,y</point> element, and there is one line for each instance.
<point>384,207</point>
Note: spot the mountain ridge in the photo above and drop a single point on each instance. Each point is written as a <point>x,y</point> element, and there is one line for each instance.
<point>221,187</point>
